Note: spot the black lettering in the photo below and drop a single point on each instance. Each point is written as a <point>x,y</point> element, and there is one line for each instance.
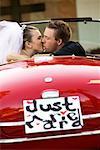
<point>57,107</point>
<point>71,116</point>
<point>49,107</point>
<point>34,107</point>
<point>61,123</point>
<point>45,109</point>
<point>33,118</point>
<point>67,105</point>
<point>48,124</point>
<point>77,122</point>
<point>53,118</point>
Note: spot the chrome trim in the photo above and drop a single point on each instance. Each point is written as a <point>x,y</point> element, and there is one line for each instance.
<point>50,93</point>
<point>91,116</point>
<point>20,123</point>
<point>48,79</point>
<point>94,81</point>
<point>49,137</point>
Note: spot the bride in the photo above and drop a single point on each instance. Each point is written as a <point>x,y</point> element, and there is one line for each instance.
<point>18,43</point>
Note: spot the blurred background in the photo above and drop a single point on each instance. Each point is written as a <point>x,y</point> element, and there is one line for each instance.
<point>29,10</point>
<point>34,10</point>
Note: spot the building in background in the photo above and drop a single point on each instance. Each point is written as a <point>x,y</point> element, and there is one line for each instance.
<point>27,10</point>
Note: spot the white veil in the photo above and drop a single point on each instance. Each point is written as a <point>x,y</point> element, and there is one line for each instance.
<point>11,39</point>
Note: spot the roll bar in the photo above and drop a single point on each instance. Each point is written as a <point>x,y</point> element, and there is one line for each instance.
<point>83,19</point>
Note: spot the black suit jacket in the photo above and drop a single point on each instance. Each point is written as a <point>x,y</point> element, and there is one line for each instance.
<point>71,48</point>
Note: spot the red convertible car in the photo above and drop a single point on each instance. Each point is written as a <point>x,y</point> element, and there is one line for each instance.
<point>53,102</point>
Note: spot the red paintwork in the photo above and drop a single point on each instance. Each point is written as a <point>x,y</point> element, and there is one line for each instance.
<point>71,76</point>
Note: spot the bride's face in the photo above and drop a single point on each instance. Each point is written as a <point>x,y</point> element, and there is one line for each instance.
<point>36,41</point>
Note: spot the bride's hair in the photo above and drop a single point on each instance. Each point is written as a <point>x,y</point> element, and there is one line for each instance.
<point>27,34</point>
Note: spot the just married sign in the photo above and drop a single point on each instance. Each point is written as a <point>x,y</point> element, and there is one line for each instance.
<point>53,114</point>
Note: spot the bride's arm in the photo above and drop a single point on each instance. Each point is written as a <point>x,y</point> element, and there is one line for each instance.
<point>15,57</point>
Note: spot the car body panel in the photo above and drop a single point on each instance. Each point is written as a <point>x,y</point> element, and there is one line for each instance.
<point>29,80</point>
